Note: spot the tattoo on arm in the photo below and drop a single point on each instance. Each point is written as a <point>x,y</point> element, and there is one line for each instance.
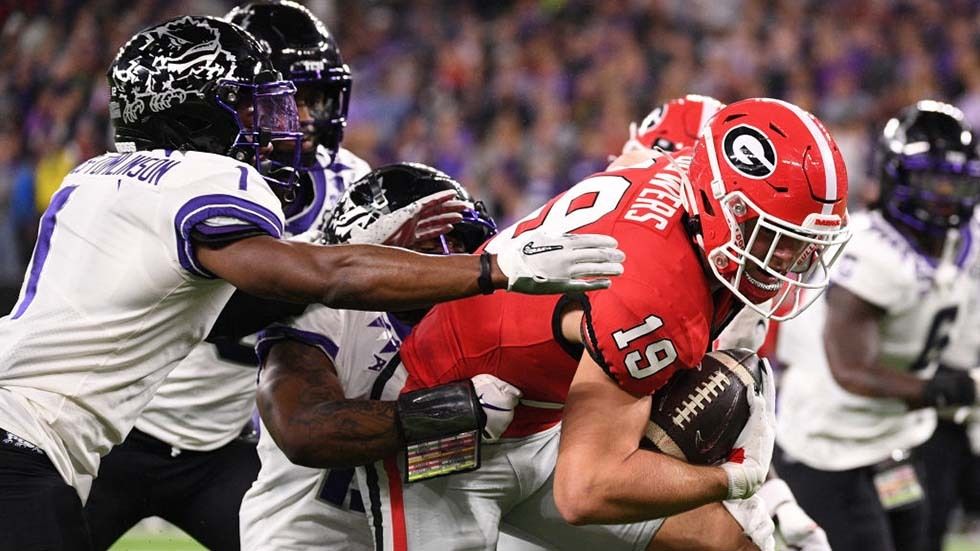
<point>302,403</point>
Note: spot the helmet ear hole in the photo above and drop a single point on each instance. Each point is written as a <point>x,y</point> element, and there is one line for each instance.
<point>708,209</point>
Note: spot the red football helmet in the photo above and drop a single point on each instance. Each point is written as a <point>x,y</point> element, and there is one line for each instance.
<point>768,188</point>
<point>673,125</point>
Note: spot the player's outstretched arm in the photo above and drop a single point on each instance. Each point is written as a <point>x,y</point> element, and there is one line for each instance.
<point>602,475</point>
<point>371,277</point>
<point>302,404</point>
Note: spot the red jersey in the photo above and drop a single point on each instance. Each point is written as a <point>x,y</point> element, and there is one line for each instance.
<point>659,316</point>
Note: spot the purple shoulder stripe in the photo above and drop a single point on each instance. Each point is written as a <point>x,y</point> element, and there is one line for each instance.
<point>194,214</point>
<point>305,219</point>
<point>42,247</point>
<point>274,333</point>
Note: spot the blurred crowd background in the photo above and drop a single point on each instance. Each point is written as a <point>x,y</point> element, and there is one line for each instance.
<point>518,99</point>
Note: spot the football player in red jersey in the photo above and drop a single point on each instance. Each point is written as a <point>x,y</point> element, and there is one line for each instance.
<point>758,204</point>
<point>672,126</point>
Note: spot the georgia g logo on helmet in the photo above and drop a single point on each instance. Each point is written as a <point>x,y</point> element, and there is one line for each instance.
<point>653,119</point>
<point>749,152</point>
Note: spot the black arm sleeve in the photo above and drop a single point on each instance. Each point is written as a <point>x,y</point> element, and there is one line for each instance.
<point>245,314</point>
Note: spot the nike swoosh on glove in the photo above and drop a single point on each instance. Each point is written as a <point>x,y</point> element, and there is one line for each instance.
<point>752,516</point>
<point>430,216</point>
<point>794,528</point>
<point>542,263</point>
<point>748,463</point>
<point>498,398</point>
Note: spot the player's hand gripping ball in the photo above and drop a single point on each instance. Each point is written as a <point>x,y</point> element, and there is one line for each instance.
<point>698,415</point>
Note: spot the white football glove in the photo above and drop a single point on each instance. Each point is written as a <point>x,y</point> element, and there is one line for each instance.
<point>540,263</point>
<point>746,330</point>
<point>498,398</point>
<point>752,516</point>
<point>794,527</point>
<point>430,216</point>
<point>748,464</point>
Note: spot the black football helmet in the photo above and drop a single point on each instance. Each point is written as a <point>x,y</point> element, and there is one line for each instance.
<point>394,186</point>
<point>305,52</point>
<point>198,83</point>
<point>929,168</point>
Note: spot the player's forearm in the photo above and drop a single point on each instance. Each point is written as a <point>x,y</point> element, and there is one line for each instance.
<point>879,382</point>
<point>333,432</point>
<point>304,409</point>
<point>347,433</point>
<point>386,278</point>
<point>852,341</point>
<point>361,277</point>
<point>645,485</point>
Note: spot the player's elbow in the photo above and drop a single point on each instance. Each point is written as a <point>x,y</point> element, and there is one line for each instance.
<point>304,451</point>
<point>850,380</point>
<point>577,497</point>
<point>301,452</point>
<point>296,450</point>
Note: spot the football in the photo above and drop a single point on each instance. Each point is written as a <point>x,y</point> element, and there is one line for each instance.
<point>699,413</point>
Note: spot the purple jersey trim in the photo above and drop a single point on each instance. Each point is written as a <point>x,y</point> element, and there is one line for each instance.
<point>43,246</point>
<point>193,215</point>
<point>895,237</point>
<point>213,231</point>
<point>305,220</point>
<point>966,235</point>
<point>400,328</point>
<point>269,336</point>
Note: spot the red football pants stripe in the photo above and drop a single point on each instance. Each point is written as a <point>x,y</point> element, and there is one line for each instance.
<point>399,538</point>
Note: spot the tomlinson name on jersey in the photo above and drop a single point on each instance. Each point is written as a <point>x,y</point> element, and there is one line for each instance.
<point>142,167</point>
<point>660,197</point>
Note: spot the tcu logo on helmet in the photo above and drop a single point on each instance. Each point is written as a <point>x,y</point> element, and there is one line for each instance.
<point>184,53</point>
<point>749,152</point>
<point>348,215</point>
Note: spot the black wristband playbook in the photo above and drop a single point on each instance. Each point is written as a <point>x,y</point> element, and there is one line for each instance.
<point>484,282</point>
<point>441,427</point>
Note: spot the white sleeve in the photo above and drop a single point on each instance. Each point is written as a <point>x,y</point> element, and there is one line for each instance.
<point>318,326</point>
<point>877,271</point>
<point>219,201</point>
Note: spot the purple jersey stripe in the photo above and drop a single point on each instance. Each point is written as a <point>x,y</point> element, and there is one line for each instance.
<point>193,215</point>
<point>269,336</point>
<point>310,215</point>
<point>43,246</point>
<point>966,240</point>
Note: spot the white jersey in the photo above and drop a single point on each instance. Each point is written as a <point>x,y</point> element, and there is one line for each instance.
<point>826,427</point>
<point>206,401</point>
<point>963,351</point>
<point>114,296</point>
<point>294,507</point>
